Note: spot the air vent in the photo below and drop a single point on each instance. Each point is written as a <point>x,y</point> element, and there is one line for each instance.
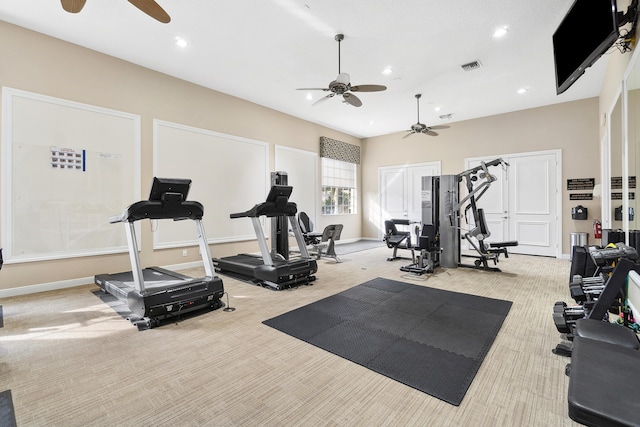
<point>446,116</point>
<point>471,66</point>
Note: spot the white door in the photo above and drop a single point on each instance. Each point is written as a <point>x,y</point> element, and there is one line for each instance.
<point>523,203</point>
<point>393,194</point>
<point>400,189</point>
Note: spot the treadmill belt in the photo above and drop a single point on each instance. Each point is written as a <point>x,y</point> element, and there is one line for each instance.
<point>152,277</point>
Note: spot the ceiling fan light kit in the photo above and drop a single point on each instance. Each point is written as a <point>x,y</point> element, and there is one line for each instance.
<point>342,85</point>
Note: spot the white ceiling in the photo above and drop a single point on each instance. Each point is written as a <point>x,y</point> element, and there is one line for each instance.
<point>262,50</point>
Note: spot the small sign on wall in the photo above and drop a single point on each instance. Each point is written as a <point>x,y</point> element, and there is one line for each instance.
<point>581,184</point>
<point>616,182</point>
<point>581,196</point>
<point>68,159</point>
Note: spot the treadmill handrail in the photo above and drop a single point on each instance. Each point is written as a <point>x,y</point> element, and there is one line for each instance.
<point>156,209</point>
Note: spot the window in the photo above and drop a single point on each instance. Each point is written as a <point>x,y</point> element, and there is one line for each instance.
<point>338,187</point>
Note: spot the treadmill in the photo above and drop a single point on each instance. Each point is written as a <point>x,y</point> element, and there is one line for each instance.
<point>272,269</point>
<point>154,294</point>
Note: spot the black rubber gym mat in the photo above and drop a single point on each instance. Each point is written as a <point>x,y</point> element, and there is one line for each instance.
<point>429,339</point>
<point>7,416</point>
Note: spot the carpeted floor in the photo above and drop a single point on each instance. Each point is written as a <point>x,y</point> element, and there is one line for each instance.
<point>430,339</point>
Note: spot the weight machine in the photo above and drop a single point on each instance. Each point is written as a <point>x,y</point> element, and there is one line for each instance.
<point>443,208</point>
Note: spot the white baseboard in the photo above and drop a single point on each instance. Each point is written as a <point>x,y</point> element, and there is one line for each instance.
<point>81,281</point>
<point>71,283</point>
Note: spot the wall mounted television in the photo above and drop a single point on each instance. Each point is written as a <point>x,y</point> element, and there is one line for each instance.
<point>587,31</point>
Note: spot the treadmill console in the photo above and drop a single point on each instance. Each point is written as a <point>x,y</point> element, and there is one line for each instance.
<point>162,186</point>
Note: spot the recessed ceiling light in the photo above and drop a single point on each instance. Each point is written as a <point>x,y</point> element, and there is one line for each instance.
<point>180,42</point>
<point>523,90</point>
<point>371,122</point>
<point>500,32</point>
<point>309,96</point>
<point>437,109</point>
<point>387,71</point>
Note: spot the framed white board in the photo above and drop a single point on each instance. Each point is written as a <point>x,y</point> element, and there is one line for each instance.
<point>302,174</point>
<point>67,167</point>
<point>229,174</point>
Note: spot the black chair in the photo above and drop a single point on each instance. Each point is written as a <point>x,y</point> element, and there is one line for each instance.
<point>323,243</point>
<point>326,247</point>
<point>397,239</point>
<point>306,227</point>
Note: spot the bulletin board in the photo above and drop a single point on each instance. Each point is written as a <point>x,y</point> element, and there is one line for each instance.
<point>66,168</point>
<point>302,174</point>
<point>229,174</point>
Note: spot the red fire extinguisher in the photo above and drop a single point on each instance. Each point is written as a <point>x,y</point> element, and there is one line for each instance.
<point>597,229</point>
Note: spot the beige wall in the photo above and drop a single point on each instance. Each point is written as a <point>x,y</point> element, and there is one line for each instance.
<point>571,127</point>
<point>44,65</point>
<point>40,64</point>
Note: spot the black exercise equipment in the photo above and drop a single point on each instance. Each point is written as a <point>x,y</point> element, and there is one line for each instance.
<point>443,206</point>
<point>322,244</point>
<point>603,390</point>
<point>429,256</point>
<point>478,234</point>
<point>594,296</point>
<point>480,231</point>
<point>396,239</point>
<point>311,237</point>
<point>605,363</point>
<point>153,294</point>
<point>274,268</point>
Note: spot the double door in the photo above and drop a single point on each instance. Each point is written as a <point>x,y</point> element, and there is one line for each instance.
<point>401,191</point>
<point>523,203</point>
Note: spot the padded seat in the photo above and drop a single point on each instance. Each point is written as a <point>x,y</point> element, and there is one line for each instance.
<point>607,332</point>
<point>396,239</point>
<point>603,386</point>
<point>503,244</point>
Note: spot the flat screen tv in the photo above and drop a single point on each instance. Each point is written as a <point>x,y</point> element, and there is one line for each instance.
<point>587,31</point>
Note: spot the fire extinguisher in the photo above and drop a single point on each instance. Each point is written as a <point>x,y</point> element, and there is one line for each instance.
<point>597,229</point>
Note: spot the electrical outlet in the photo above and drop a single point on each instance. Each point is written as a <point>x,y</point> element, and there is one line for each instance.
<point>184,252</point>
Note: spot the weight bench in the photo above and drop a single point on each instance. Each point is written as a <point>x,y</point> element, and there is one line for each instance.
<point>486,252</point>
<point>603,389</point>
<point>605,364</point>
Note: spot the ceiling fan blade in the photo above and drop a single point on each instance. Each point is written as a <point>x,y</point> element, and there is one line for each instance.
<point>368,88</point>
<point>324,98</point>
<point>408,134</point>
<point>352,99</point>
<point>153,9</point>
<point>439,127</point>
<point>73,6</point>
<point>313,88</point>
<point>430,132</point>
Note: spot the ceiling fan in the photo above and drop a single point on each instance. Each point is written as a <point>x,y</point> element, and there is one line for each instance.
<point>150,7</point>
<point>420,127</point>
<point>342,86</point>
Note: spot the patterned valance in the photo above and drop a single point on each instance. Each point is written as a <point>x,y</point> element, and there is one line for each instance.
<point>338,150</point>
